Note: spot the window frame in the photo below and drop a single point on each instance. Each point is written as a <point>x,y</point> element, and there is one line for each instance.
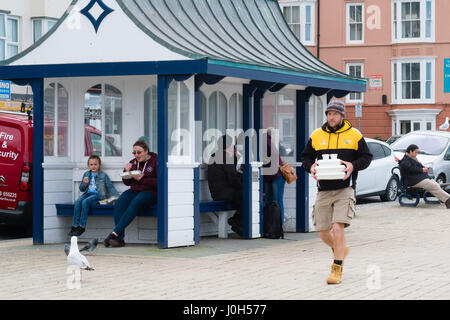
<point>302,4</point>
<point>396,80</point>
<point>56,151</point>
<point>397,26</point>
<point>347,70</point>
<point>103,84</point>
<point>5,38</point>
<point>347,22</point>
<point>44,26</point>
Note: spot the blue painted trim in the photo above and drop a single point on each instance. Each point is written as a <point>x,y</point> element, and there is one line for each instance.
<point>37,86</point>
<point>280,77</point>
<point>198,82</point>
<point>302,183</point>
<point>258,124</point>
<point>163,179</point>
<point>201,66</point>
<point>247,108</point>
<point>103,69</point>
<point>209,79</point>
<point>96,22</point>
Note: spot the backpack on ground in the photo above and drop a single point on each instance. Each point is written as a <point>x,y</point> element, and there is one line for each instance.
<point>273,227</point>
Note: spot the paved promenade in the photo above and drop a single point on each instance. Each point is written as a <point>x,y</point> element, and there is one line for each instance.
<point>395,253</point>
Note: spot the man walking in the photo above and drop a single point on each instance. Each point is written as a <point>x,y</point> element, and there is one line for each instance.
<point>335,203</point>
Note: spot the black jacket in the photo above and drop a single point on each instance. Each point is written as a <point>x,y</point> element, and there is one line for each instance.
<point>411,171</point>
<point>347,142</point>
<point>222,175</point>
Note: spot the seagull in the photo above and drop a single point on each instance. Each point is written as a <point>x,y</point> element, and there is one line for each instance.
<point>91,246</point>
<point>67,249</point>
<point>75,258</point>
<point>445,125</point>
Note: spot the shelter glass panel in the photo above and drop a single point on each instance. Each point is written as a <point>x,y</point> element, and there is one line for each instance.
<point>151,117</point>
<point>56,119</point>
<point>103,113</point>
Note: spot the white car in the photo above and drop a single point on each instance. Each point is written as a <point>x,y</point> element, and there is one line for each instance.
<point>377,179</point>
<point>434,151</point>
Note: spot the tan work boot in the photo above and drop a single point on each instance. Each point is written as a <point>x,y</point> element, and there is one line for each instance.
<point>335,276</point>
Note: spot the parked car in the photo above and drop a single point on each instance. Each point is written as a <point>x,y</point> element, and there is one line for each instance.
<point>16,163</point>
<point>392,139</point>
<point>434,151</point>
<point>377,179</point>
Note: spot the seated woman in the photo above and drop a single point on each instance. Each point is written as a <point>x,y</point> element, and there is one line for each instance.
<point>141,195</point>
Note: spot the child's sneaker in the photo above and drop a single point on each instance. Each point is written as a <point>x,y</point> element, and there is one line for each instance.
<point>72,231</point>
<point>79,231</point>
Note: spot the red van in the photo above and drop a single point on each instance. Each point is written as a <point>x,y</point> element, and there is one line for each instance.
<point>16,168</point>
<point>16,164</point>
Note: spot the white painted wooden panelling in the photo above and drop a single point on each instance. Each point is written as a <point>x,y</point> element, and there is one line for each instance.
<point>49,210</point>
<point>179,211</point>
<point>57,197</point>
<point>58,186</point>
<point>136,45</point>
<point>181,238</point>
<point>186,223</point>
<point>180,186</point>
<point>180,174</point>
<point>180,198</point>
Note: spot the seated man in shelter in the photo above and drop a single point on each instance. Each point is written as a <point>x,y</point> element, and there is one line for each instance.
<point>414,174</point>
<point>224,181</point>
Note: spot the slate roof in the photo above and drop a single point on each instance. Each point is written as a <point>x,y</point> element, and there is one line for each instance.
<point>230,32</point>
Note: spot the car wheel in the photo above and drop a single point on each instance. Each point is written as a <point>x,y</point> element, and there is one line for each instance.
<point>391,190</point>
<point>441,179</point>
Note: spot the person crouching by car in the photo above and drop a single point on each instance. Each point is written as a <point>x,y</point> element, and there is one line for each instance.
<point>415,175</point>
<point>141,195</point>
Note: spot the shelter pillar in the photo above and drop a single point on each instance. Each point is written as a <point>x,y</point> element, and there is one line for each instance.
<point>163,86</point>
<point>302,183</point>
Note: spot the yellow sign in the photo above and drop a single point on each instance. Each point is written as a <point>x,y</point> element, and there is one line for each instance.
<point>10,105</point>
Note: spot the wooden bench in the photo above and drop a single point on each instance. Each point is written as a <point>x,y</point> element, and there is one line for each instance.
<point>216,210</point>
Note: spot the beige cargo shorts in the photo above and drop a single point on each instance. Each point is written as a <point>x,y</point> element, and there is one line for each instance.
<point>334,206</point>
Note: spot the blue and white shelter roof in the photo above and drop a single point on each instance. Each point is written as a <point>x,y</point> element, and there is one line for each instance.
<point>241,38</point>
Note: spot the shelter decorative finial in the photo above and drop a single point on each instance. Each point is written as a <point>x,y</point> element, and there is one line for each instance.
<point>86,11</point>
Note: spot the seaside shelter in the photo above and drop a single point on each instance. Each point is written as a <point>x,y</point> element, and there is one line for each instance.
<point>113,71</point>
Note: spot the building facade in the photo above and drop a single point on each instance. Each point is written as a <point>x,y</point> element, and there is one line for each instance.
<point>22,23</point>
<point>400,46</point>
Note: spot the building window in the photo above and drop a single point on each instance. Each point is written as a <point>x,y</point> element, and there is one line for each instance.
<point>151,117</point>
<point>41,26</point>
<point>413,80</point>
<point>413,21</point>
<point>103,114</point>
<point>355,70</point>
<point>407,120</point>
<point>355,23</point>
<point>56,120</point>
<point>299,16</point>
<point>9,36</point>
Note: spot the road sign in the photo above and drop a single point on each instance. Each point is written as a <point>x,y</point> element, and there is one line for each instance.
<point>358,111</point>
<point>5,90</point>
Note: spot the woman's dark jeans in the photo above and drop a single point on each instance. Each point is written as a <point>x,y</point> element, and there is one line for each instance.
<point>127,207</point>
